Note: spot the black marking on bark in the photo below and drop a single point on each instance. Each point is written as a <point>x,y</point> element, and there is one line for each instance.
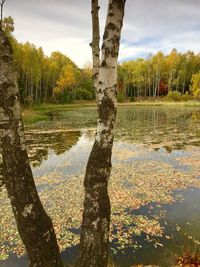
<point>105,36</point>
<point>95,75</point>
<point>100,159</point>
<point>107,51</point>
<point>111,26</point>
<point>11,101</point>
<point>106,108</point>
<point>120,3</point>
<point>111,14</point>
<point>104,64</point>
<point>6,58</point>
<point>18,178</point>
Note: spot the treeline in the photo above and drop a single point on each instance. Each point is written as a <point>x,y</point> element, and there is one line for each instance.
<point>57,79</point>
<point>158,74</point>
<point>47,79</point>
<point>50,79</point>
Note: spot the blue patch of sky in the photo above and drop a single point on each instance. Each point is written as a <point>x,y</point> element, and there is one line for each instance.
<point>140,42</point>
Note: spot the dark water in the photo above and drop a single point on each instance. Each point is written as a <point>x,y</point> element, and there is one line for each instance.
<point>164,137</point>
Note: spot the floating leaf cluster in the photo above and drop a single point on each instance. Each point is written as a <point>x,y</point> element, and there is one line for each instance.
<point>134,184</point>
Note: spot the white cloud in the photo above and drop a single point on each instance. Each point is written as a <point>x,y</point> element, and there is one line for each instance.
<point>149,26</point>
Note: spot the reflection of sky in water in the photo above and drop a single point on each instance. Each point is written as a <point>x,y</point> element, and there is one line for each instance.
<point>73,161</point>
<point>137,130</point>
<point>162,156</point>
<point>75,158</point>
<point>185,215</point>
<point>170,126</point>
<point>153,134</point>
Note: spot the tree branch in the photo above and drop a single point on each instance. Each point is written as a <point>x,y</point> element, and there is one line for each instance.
<point>1,4</point>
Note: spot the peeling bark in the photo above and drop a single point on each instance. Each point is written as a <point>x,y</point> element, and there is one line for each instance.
<point>94,244</point>
<point>34,225</point>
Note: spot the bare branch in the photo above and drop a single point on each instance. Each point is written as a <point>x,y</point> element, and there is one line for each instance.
<point>1,4</point>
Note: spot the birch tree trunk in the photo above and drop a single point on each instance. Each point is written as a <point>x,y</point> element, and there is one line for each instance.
<point>94,243</point>
<point>34,225</point>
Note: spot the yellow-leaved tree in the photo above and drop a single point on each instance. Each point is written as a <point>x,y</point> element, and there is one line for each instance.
<point>195,87</point>
<point>64,90</point>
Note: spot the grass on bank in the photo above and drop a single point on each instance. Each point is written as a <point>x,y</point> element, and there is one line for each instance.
<point>160,102</point>
<point>42,112</point>
<point>35,113</point>
<point>30,115</point>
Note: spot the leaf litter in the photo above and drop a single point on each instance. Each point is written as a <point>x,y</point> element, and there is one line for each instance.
<point>133,184</point>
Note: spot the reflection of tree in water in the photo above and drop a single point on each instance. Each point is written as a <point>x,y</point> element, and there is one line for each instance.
<point>169,127</point>
<point>39,143</point>
<point>196,115</point>
<point>1,177</point>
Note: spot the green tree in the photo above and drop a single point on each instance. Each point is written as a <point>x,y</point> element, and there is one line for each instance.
<point>195,87</point>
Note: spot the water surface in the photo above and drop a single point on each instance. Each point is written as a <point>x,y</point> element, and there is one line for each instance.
<point>154,188</point>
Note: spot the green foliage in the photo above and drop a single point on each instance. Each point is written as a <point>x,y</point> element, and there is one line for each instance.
<point>28,101</point>
<point>82,93</point>
<point>120,97</point>
<point>187,97</point>
<point>46,79</point>
<point>57,79</point>
<point>8,25</point>
<point>31,116</point>
<point>195,87</point>
<point>173,96</point>
<point>158,74</point>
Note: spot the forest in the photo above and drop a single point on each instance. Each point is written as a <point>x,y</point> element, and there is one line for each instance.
<point>57,79</point>
<point>85,181</point>
<point>44,79</point>
<point>160,74</point>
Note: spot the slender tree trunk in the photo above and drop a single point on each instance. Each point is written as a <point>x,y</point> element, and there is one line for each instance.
<point>158,90</point>
<point>149,80</point>
<point>94,244</point>
<point>183,89</point>
<point>1,14</point>
<point>26,87</point>
<point>34,225</point>
<point>169,81</point>
<point>156,83</point>
<point>177,84</point>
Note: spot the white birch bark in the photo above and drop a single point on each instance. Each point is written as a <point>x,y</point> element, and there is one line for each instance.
<point>34,225</point>
<point>94,244</point>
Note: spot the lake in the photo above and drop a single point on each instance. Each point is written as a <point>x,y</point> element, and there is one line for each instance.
<point>154,186</point>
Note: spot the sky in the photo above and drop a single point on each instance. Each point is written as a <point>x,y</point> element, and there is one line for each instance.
<point>65,25</point>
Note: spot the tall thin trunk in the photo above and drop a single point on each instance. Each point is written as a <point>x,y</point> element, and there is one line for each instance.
<point>1,19</point>
<point>156,83</point>
<point>149,80</point>
<point>94,244</point>
<point>34,225</point>
<point>170,81</point>
<point>177,84</point>
<point>26,87</point>
<point>158,89</point>
<point>183,88</point>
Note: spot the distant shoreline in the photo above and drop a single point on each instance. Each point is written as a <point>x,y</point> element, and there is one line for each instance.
<point>35,113</point>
